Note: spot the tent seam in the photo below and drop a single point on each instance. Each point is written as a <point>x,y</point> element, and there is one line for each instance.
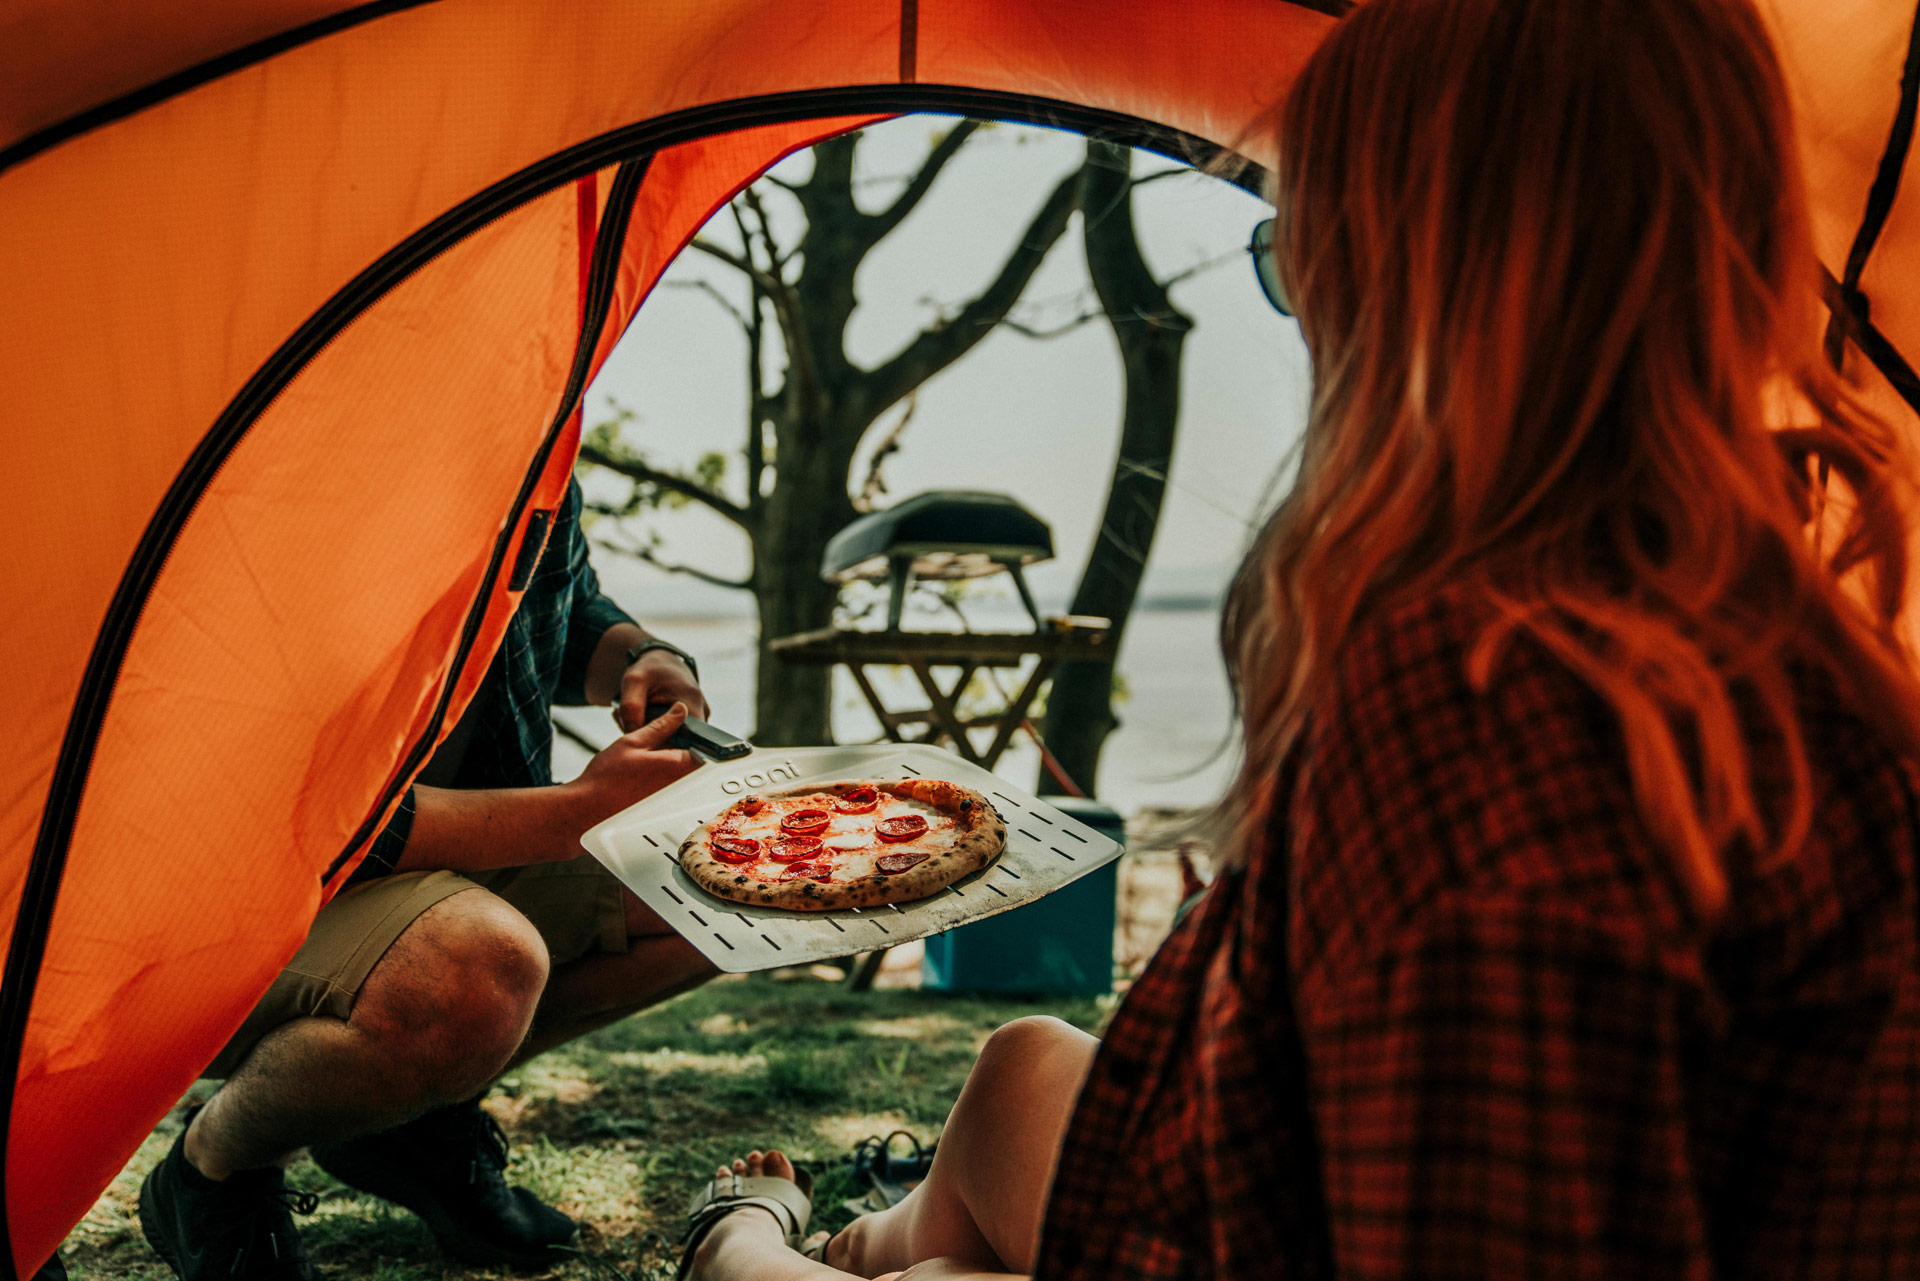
<point>190,78</point>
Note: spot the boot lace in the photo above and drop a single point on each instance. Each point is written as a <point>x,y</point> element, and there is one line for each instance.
<point>259,1219</point>
<point>489,1147</point>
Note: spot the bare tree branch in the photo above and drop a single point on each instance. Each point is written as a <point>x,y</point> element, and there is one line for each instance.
<point>756,444</point>
<point>887,219</point>
<point>1032,331</point>
<point>706,287</point>
<point>1098,313</point>
<point>773,285</point>
<point>1180,171</point>
<point>1199,267</point>
<point>775,259</point>
<point>874,485</point>
<point>934,349</point>
<point>746,236</point>
<point>732,260</point>
<point>691,571</point>
<point>758,283</point>
<point>635,469</point>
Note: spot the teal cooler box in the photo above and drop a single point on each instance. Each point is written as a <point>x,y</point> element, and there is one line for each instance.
<point>1061,945</point>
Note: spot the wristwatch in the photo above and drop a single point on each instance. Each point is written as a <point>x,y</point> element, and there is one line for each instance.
<point>633,655</point>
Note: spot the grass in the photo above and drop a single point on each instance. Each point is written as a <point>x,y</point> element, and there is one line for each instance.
<point>620,1127</point>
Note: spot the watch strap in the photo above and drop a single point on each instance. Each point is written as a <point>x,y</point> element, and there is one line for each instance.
<point>651,643</point>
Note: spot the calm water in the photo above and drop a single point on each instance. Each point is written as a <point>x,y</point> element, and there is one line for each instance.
<point>1167,752</point>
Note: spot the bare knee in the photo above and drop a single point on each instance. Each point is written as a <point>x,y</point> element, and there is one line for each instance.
<point>1034,1046</point>
<point>453,997</point>
<point>1035,1053</point>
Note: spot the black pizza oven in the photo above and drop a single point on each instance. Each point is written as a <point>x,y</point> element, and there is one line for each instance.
<point>941,534</point>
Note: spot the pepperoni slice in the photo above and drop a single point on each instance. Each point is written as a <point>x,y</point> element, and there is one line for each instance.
<point>805,822</point>
<point>861,800</point>
<point>802,871</point>
<point>736,849</point>
<point>793,848</point>
<point>903,828</point>
<point>893,863</point>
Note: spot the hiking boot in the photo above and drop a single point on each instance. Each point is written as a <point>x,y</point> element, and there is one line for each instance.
<point>448,1167</point>
<point>238,1229</point>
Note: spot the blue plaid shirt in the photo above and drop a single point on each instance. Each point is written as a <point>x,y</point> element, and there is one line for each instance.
<point>542,662</point>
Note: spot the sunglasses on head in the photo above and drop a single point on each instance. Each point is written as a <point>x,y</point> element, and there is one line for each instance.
<point>1267,270</point>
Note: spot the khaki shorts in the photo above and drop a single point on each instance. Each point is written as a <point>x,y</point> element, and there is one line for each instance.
<point>577,906</point>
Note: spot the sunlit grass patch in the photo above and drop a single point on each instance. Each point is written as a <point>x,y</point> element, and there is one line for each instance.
<point>602,1184</point>
<point>722,1024</point>
<point>555,1078</point>
<point>661,1062</point>
<point>840,1132</point>
<point>919,1027</point>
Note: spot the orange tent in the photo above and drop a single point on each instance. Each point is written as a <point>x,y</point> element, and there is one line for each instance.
<point>299,300</point>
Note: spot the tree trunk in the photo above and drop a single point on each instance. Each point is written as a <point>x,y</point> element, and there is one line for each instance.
<point>824,404</point>
<point>793,704</point>
<point>1150,332</point>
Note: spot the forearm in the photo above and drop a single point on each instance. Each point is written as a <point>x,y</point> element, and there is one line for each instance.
<point>474,831</point>
<point>658,679</point>
<point>609,662</point>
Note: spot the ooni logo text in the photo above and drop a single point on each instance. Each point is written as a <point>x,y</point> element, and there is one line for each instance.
<point>760,778</point>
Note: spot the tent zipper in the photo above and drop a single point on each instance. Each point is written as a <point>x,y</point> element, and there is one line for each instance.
<point>601,277</point>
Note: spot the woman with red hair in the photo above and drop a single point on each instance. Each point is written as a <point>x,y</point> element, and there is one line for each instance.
<point>1567,926</point>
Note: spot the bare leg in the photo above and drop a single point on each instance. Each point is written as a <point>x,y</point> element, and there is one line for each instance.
<point>437,1017</point>
<point>981,1204</point>
<point>602,988</point>
<point>983,1200</point>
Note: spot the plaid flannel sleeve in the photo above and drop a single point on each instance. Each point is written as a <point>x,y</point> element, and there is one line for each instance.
<point>1496,985</point>
<point>388,845</point>
<point>591,613</point>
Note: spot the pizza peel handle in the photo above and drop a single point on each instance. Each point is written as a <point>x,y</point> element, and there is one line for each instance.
<point>709,742</point>
<point>1045,850</point>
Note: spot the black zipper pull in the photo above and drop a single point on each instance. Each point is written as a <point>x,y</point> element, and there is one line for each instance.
<point>531,546</point>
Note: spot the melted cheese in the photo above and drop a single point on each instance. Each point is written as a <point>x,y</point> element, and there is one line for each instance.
<point>848,841</point>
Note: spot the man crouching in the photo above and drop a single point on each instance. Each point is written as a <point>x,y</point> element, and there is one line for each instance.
<point>474,936</point>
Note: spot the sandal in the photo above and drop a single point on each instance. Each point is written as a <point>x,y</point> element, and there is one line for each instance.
<point>889,1177</point>
<point>789,1200</point>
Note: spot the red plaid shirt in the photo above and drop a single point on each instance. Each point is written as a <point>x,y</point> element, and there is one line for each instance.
<point>1458,1023</point>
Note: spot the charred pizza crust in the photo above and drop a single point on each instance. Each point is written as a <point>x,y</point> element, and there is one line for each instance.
<point>979,835</point>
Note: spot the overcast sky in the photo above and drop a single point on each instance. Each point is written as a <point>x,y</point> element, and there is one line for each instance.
<point>1037,419</point>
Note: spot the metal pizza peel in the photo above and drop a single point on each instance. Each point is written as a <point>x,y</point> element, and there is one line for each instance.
<point>1046,849</point>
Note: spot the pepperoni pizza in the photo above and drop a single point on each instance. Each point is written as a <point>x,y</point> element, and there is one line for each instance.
<point>848,844</point>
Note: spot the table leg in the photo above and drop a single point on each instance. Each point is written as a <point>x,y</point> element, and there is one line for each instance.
<point>944,710</point>
<point>867,968</point>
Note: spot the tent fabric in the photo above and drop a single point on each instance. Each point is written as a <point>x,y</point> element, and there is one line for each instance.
<point>299,300</point>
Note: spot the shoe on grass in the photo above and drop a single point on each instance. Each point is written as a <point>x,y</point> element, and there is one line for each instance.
<point>887,1177</point>
<point>237,1229</point>
<point>449,1167</point>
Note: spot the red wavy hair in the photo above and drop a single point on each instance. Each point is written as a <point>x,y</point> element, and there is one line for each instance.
<point>1552,262</point>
